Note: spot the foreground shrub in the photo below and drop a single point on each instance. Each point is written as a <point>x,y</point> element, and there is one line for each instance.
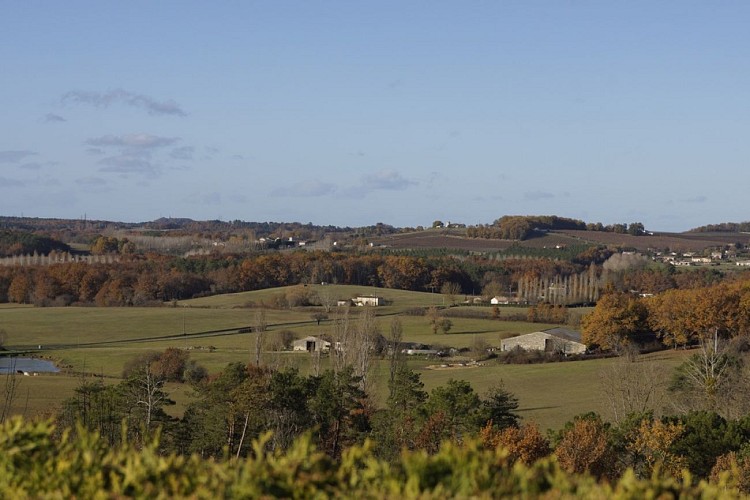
<point>33,465</point>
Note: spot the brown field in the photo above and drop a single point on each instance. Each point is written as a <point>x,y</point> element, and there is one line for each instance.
<point>454,239</point>
<point>678,242</point>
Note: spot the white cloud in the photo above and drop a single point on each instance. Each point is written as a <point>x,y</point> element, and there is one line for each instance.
<point>183,153</point>
<point>14,156</point>
<point>105,99</point>
<point>537,195</point>
<point>53,118</point>
<point>128,164</point>
<point>387,180</point>
<point>309,188</point>
<point>8,183</point>
<point>135,141</point>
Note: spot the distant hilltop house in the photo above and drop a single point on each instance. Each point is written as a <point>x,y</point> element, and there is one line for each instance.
<point>499,299</point>
<point>559,340</point>
<point>311,344</point>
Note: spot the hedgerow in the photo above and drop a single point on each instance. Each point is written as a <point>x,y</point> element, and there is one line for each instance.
<point>35,465</point>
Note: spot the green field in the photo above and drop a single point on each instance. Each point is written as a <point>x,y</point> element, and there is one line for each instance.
<point>100,341</point>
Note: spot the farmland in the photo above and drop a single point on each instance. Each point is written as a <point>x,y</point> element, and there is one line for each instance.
<point>455,239</point>
<point>101,341</point>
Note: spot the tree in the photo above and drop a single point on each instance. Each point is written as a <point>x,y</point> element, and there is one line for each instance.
<point>584,447</point>
<point>460,407</point>
<point>395,356</point>
<point>170,365</point>
<point>636,229</point>
<point>260,334</point>
<point>318,317</point>
<point>499,407</point>
<point>398,425</point>
<point>450,290</point>
<point>525,444</point>
<point>145,390</point>
<point>336,409</point>
<point>632,386</point>
<point>438,322</point>
<point>707,380</point>
<point>653,441</point>
<point>669,316</point>
<point>10,389</point>
<point>613,321</point>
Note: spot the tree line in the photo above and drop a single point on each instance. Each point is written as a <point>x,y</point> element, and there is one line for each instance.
<point>523,227</point>
<point>142,280</point>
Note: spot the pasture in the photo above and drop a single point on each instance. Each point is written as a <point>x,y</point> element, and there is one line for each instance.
<point>100,341</point>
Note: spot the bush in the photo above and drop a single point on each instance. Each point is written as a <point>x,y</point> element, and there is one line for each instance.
<point>35,465</point>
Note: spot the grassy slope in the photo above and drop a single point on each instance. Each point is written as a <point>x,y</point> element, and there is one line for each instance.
<point>549,394</point>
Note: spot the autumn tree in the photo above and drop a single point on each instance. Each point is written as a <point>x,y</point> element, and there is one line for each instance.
<point>614,320</point>
<point>585,447</point>
<point>526,443</point>
<point>653,441</point>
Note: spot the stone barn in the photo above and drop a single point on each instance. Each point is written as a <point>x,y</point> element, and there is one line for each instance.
<point>311,344</point>
<point>558,340</point>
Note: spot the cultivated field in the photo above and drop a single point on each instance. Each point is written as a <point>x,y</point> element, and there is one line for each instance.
<point>455,239</point>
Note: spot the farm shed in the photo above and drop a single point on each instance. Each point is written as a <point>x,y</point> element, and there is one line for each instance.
<point>559,340</point>
<point>368,300</point>
<point>311,344</point>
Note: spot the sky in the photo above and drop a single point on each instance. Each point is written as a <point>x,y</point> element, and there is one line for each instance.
<point>357,112</point>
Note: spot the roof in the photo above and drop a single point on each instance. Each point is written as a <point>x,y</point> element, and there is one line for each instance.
<point>564,333</point>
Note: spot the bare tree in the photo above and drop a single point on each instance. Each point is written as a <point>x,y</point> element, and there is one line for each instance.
<point>363,346</point>
<point>325,297</point>
<point>709,379</point>
<point>632,385</point>
<point>451,290</point>
<point>259,327</point>
<point>395,356</point>
<point>342,332</point>
<point>315,362</point>
<point>353,344</point>
<point>12,382</point>
<point>146,391</point>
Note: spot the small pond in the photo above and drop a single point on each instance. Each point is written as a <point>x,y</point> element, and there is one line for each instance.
<point>30,365</point>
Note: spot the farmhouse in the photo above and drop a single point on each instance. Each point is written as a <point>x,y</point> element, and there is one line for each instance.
<point>368,300</point>
<point>558,340</point>
<point>311,344</point>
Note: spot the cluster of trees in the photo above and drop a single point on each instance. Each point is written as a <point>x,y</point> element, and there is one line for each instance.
<point>676,317</point>
<point>522,227</point>
<point>724,227</point>
<point>140,280</point>
<point>21,243</point>
<point>244,401</point>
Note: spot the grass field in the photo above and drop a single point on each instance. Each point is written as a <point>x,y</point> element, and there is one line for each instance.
<point>102,340</point>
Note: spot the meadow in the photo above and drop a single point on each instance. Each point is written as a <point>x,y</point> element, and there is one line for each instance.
<point>100,341</point>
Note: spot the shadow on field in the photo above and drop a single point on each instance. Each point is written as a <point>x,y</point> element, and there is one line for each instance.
<point>537,408</point>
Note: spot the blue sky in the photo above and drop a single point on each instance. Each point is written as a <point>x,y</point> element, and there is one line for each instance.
<point>357,112</point>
